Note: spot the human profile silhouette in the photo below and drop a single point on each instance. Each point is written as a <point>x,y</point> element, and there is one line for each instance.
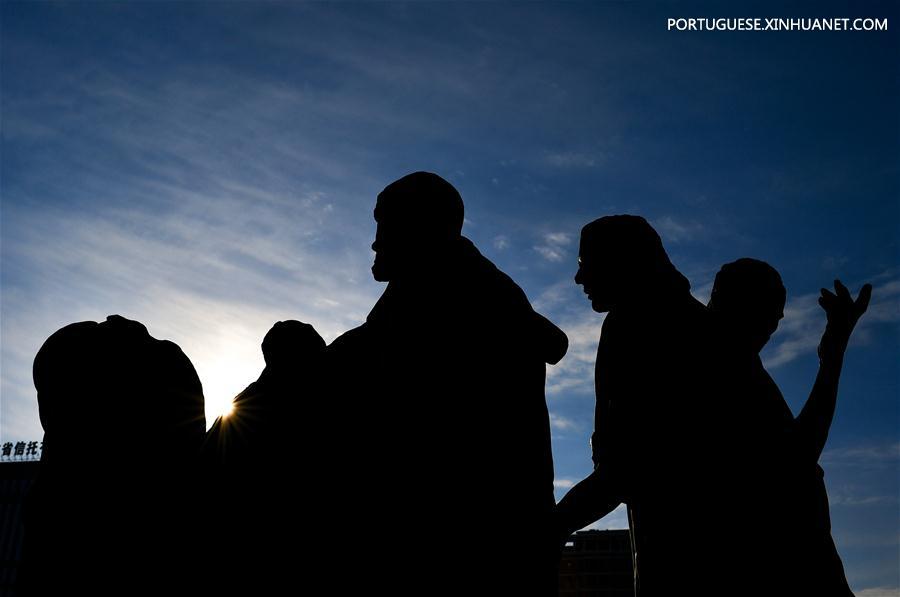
<point>257,431</point>
<point>769,476</point>
<point>443,390</point>
<point>108,518</point>
<point>651,397</point>
<point>420,220</point>
<point>260,463</point>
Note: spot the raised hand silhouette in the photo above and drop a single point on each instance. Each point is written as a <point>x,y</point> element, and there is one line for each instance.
<point>765,452</point>
<point>842,312</point>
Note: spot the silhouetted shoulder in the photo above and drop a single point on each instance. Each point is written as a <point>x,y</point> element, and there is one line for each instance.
<point>510,305</point>
<point>349,341</point>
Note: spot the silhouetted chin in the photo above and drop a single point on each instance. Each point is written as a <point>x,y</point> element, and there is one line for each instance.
<point>599,306</point>
<point>759,341</point>
<point>379,272</point>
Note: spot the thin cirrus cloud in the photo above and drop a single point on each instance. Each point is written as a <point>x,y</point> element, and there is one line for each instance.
<point>501,242</point>
<point>573,159</point>
<point>192,274</point>
<point>554,246</point>
<point>205,245</point>
<point>864,456</point>
<point>676,231</point>
<point>565,304</point>
<point>879,592</point>
<point>804,321</point>
<point>561,423</point>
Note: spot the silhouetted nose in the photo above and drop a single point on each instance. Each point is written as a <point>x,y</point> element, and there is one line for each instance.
<point>375,246</point>
<point>578,278</point>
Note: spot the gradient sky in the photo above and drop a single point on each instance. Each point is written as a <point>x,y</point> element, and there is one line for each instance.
<point>209,168</point>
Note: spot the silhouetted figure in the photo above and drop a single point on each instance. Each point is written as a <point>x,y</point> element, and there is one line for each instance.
<point>113,510</point>
<point>447,487</point>
<point>652,399</point>
<point>769,477</point>
<point>261,463</point>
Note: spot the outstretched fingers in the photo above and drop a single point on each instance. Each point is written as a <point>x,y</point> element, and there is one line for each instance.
<point>862,301</point>
<point>840,307</point>
<point>842,291</point>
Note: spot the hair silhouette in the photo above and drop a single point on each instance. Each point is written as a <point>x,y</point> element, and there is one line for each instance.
<point>622,264</point>
<point>651,400</point>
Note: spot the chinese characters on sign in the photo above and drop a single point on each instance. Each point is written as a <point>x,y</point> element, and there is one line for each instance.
<point>21,451</point>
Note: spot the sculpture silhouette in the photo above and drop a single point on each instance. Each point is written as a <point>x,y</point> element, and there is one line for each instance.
<point>443,390</point>
<point>260,461</point>
<point>768,472</point>
<point>124,521</point>
<point>652,397</point>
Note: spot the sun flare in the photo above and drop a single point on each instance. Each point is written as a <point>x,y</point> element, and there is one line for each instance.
<point>224,378</point>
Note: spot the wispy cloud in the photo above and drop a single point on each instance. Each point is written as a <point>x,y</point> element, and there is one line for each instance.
<point>674,231</point>
<point>561,423</point>
<point>574,159</point>
<point>879,592</point>
<point>572,312</point>
<point>553,246</point>
<point>193,275</point>
<point>851,499</point>
<point>564,483</point>
<point>163,214</point>
<point>804,321</point>
<point>576,371</point>
<point>866,456</point>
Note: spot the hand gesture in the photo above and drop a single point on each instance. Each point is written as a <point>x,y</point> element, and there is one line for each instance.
<point>842,312</point>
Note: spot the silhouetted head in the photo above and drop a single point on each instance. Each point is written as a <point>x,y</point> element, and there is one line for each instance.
<point>291,343</point>
<point>748,299</point>
<point>113,380</point>
<point>621,260</point>
<point>419,219</point>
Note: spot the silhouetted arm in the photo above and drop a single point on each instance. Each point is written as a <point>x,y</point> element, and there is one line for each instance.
<point>588,501</point>
<point>814,421</point>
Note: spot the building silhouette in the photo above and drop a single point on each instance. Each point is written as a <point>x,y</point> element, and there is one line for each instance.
<point>597,564</point>
<point>16,477</point>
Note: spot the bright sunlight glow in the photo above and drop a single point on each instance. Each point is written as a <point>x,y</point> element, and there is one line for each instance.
<point>224,376</point>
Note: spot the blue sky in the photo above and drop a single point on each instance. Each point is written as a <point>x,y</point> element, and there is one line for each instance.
<point>209,168</point>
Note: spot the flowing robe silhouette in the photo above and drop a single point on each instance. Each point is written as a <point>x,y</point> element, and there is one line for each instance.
<point>443,429</point>
<point>650,437</point>
<point>775,532</point>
